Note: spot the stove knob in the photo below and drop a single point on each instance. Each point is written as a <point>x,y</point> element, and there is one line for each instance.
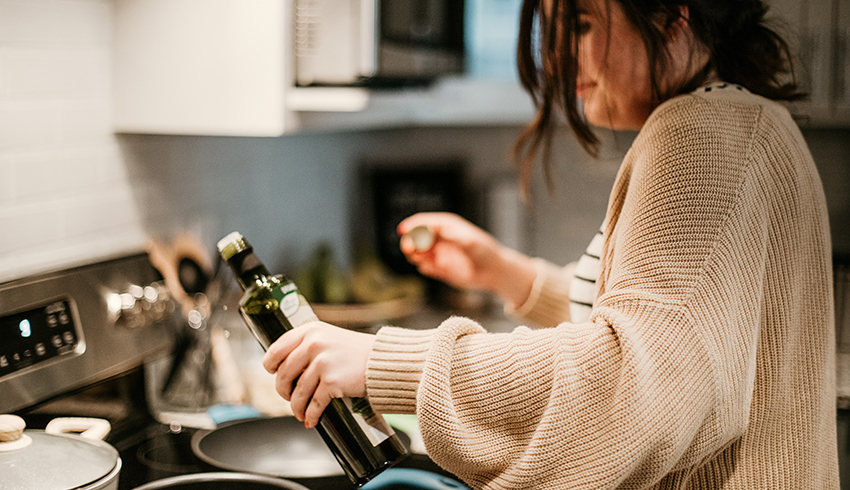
<point>157,302</point>
<point>139,306</point>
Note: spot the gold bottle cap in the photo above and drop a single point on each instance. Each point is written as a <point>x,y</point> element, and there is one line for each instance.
<point>232,244</point>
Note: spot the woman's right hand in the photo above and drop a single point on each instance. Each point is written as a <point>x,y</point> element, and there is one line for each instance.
<point>465,256</point>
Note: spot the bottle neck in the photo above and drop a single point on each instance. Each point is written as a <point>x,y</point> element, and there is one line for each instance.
<point>247,268</point>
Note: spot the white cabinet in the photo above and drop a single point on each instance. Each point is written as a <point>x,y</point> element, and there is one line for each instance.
<point>817,31</point>
<point>200,67</point>
<point>225,67</point>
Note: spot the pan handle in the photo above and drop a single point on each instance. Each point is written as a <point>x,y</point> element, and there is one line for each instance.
<point>88,428</point>
<point>412,479</point>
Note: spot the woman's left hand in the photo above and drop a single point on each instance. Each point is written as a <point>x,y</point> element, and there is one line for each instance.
<point>317,362</point>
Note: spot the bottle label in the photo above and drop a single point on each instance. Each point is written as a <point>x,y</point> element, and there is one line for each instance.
<point>297,310</point>
<point>374,426</point>
<point>292,303</point>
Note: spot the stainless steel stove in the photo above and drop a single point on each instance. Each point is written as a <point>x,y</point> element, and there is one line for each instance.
<point>77,342</point>
<point>70,329</point>
<point>74,342</point>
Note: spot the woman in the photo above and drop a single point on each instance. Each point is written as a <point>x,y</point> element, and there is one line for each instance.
<point>703,356</point>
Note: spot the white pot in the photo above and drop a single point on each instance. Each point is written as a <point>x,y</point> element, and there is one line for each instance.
<point>54,459</point>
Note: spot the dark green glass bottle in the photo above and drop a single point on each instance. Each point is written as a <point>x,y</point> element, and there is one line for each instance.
<point>361,440</point>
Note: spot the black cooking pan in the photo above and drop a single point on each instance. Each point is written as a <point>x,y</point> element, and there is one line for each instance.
<point>221,481</point>
<point>271,446</point>
<point>391,479</point>
<point>275,446</point>
<point>281,447</point>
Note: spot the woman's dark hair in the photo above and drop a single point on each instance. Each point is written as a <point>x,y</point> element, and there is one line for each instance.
<point>742,50</point>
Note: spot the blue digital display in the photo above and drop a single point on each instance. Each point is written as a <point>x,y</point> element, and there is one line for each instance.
<point>26,328</point>
<point>29,337</point>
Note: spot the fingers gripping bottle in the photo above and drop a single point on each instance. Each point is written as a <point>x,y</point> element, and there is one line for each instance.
<point>361,440</point>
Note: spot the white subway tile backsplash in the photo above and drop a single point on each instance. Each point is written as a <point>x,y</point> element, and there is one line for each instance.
<point>39,74</point>
<point>57,23</point>
<point>41,234</point>
<point>98,213</point>
<point>6,187</point>
<point>84,22</point>
<point>3,74</point>
<point>27,22</point>
<point>87,122</point>
<point>57,175</point>
<point>28,125</point>
<point>29,227</point>
<point>85,250</point>
<point>109,162</point>
<point>65,196</point>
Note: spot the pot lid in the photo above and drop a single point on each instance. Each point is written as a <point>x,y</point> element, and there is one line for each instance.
<point>55,461</point>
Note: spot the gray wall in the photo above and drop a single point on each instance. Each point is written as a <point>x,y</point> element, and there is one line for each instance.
<point>290,193</point>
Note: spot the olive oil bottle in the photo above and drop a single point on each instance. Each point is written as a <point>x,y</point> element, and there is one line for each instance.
<point>361,440</point>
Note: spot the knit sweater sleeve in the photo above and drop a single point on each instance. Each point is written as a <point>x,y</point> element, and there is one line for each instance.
<point>661,376</point>
<point>548,304</point>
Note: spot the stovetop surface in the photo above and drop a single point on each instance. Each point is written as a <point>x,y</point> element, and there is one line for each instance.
<point>160,451</point>
<point>153,451</point>
<point>121,320</point>
<point>150,450</point>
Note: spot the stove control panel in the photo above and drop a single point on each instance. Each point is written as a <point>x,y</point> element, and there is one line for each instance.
<point>68,329</point>
<point>39,334</point>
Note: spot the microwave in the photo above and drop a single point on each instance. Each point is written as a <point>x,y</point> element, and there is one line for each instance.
<point>377,42</point>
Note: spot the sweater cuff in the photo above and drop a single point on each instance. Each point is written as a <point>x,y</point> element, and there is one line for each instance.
<point>395,368</point>
<point>548,303</point>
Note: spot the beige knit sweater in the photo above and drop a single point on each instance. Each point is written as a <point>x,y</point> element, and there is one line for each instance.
<point>708,361</point>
